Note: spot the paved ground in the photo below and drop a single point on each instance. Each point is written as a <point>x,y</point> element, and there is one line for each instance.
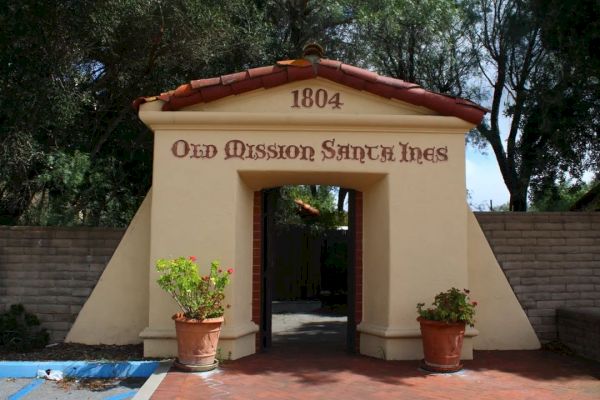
<point>296,374</point>
<point>300,367</point>
<point>308,329</point>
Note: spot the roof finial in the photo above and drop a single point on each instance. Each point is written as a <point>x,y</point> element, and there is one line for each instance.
<point>312,50</point>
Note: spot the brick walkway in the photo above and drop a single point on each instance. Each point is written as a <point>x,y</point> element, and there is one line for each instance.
<point>288,373</point>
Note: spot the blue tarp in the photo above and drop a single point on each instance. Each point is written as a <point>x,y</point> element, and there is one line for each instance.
<point>79,369</point>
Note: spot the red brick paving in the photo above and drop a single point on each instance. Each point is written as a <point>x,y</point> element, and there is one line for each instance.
<point>288,373</point>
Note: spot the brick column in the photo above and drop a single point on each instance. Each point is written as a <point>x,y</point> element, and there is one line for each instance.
<point>257,263</point>
<point>358,262</point>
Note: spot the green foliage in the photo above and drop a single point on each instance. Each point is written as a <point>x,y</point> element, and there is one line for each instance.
<point>321,197</point>
<point>547,88</point>
<point>419,41</point>
<point>291,24</point>
<point>73,152</point>
<point>199,297</point>
<point>20,331</point>
<point>558,197</point>
<point>451,306</point>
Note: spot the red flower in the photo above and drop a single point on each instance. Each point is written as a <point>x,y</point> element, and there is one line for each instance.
<point>474,303</point>
<point>230,271</point>
<point>205,278</point>
<point>193,258</point>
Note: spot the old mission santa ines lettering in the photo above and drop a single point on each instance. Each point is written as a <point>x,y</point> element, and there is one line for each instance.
<point>330,150</point>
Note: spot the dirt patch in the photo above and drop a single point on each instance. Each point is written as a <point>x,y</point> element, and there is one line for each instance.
<point>75,351</point>
<point>98,385</point>
<point>559,347</point>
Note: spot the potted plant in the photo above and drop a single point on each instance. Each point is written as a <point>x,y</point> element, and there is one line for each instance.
<point>201,301</point>
<point>443,329</point>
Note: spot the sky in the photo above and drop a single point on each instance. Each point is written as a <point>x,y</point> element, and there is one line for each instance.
<point>484,180</point>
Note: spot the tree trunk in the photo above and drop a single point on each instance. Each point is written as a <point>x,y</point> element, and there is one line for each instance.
<point>518,199</point>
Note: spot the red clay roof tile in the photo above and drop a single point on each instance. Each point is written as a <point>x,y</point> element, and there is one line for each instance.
<point>235,77</point>
<point>330,63</point>
<point>353,82</point>
<point>300,62</point>
<point>246,86</point>
<point>261,71</point>
<point>333,74</point>
<point>363,74</point>
<point>298,74</point>
<point>211,93</point>
<point>176,103</point>
<point>206,90</point>
<point>200,83</point>
<point>183,90</point>
<point>397,83</point>
<point>274,79</point>
<point>381,89</point>
<point>307,208</point>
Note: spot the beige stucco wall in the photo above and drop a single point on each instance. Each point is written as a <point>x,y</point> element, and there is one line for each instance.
<point>117,309</point>
<point>501,321</point>
<point>419,237</point>
<point>415,238</point>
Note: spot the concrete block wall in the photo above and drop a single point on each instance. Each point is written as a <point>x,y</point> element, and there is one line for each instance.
<point>579,329</point>
<point>53,270</point>
<point>552,260</point>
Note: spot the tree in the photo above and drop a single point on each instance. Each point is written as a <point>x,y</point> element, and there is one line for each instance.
<point>294,23</point>
<point>571,104</point>
<point>558,198</point>
<point>73,151</point>
<point>421,42</point>
<point>553,125</point>
<point>320,197</point>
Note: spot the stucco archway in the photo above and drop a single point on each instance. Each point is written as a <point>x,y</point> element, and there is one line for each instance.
<point>219,140</point>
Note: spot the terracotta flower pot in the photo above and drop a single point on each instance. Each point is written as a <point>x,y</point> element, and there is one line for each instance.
<point>442,345</point>
<point>197,340</point>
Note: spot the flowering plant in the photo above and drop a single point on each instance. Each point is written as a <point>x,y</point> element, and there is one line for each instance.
<point>199,297</point>
<point>451,306</point>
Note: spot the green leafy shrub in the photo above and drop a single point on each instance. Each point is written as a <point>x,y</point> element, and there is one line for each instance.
<point>20,331</point>
<point>451,306</point>
<point>199,297</point>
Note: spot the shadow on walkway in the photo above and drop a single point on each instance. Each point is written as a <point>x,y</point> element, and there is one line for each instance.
<point>310,362</point>
<point>314,348</point>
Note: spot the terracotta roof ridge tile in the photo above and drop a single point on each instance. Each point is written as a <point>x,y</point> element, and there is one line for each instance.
<point>397,83</point>
<point>235,77</point>
<point>330,63</point>
<point>365,74</point>
<point>285,71</point>
<point>200,83</point>
<point>300,62</point>
<point>260,71</point>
